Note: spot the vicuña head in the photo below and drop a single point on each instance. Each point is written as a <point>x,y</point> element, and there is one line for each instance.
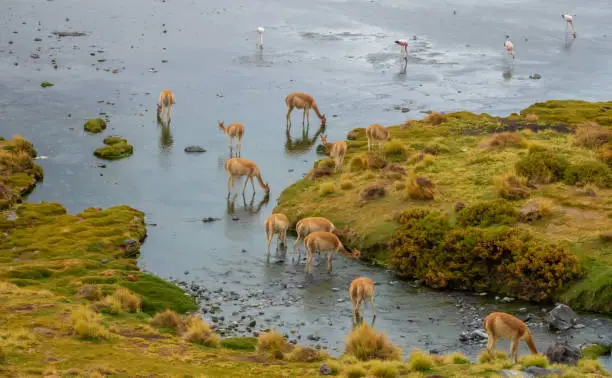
<point>324,140</point>
<point>323,120</point>
<point>221,125</point>
<point>356,254</point>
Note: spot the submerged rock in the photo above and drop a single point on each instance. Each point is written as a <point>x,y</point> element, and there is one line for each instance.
<point>95,125</point>
<point>194,149</point>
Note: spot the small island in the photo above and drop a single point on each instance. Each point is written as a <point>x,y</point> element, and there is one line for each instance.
<point>116,148</point>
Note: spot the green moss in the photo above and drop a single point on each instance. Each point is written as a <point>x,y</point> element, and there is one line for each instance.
<point>159,295</point>
<point>116,148</point>
<point>571,112</point>
<point>46,84</point>
<point>240,343</point>
<point>95,125</point>
<point>594,351</point>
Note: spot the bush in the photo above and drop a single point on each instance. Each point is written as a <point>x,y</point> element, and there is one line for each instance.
<point>90,292</point>
<point>127,300</point>
<point>304,354</point>
<point>589,172</point>
<point>435,118</point>
<point>168,319</point>
<point>425,162</point>
<point>273,344</point>
<point>435,149</point>
<point>326,188</point>
<point>538,360</point>
<point>325,163</point>
<point>384,369</point>
<point>541,166</point>
<point>456,358</point>
<point>419,361</point>
<point>198,332</point>
<point>511,187</point>
<point>86,324</point>
<point>394,149</point>
<point>506,140</point>
<point>355,371</point>
<point>591,135</point>
<point>358,164</point>
<point>590,366</point>
<point>420,188</point>
<point>488,213</point>
<point>366,344</point>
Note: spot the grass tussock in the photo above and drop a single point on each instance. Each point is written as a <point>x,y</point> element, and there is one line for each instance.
<point>383,369</point>
<point>435,118</point>
<point>511,187</point>
<point>168,319</point>
<point>420,188</point>
<point>375,162</point>
<point>538,360</point>
<point>273,344</point>
<point>124,300</point>
<point>358,164</point>
<point>456,358</point>
<point>346,184</point>
<point>325,163</point>
<point>590,367</point>
<point>394,150</point>
<point>2,355</point>
<point>506,140</point>
<point>91,292</point>
<point>532,117</point>
<point>605,154</point>
<point>198,332</point>
<point>420,361</point>
<point>592,135</point>
<point>305,354</point>
<point>87,324</point>
<point>366,344</point>
<point>355,371</point>
<point>335,366</point>
<point>373,192</point>
<point>326,188</point>
<point>484,356</point>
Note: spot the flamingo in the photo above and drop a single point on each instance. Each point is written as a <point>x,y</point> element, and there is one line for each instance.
<point>509,46</point>
<point>569,20</point>
<point>404,44</point>
<point>260,31</point>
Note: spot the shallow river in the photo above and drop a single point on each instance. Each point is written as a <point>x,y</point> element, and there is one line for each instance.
<point>341,52</point>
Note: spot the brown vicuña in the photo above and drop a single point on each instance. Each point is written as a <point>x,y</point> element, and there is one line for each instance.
<point>336,151</point>
<point>325,242</point>
<point>361,289</point>
<point>235,130</point>
<point>237,167</point>
<point>307,226</point>
<point>166,100</point>
<point>377,133</point>
<point>276,224</point>
<point>501,325</point>
<point>303,101</point>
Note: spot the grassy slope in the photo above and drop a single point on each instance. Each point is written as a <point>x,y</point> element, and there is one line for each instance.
<point>46,256</point>
<point>468,176</point>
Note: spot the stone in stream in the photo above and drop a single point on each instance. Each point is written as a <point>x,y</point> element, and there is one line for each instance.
<point>559,353</point>
<point>561,318</point>
<point>194,149</point>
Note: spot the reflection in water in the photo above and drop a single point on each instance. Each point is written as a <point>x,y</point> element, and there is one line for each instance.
<point>249,208</point>
<point>569,41</point>
<point>507,74</point>
<point>303,145</point>
<point>404,65</point>
<point>165,138</point>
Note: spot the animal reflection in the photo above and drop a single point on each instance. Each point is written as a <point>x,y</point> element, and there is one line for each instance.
<point>165,137</point>
<point>302,145</point>
<point>250,207</point>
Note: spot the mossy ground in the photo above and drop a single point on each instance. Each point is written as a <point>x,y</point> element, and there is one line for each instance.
<point>95,125</point>
<point>116,148</point>
<point>463,164</point>
<point>18,172</point>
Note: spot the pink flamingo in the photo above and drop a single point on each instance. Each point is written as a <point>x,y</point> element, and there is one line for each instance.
<point>569,20</point>
<point>509,46</point>
<point>404,44</point>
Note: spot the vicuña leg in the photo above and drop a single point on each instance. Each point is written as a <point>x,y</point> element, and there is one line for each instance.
<point>372,304</point>
<point>246,181</point>
<point>369,144</point>
<point>253,186</point>
<point>514,349</point>
<point>269,237</point>
<point>309,254</point>
<point>289,116</point>
<point>491,345</point>
<point>355,309</point>
<point>329,262</point>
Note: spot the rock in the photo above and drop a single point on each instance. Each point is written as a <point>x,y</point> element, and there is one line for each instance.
<point>194,149</point>
<point>562,318</point>
<point>325,369</point>
<point>210,219</point>
<point>535,77</point>
<point>95,125</point>
<point>475,336</point>
<point>559,353</point>
<point>69,34</point>
<point>514,373</point>
<point>320,172</point>
<point>530,212</point>
<point>34,56</point>
<point>252,323</point>
<point>313,338</point>
<point>541,372</point>
<point>507,299</point>
<point>130,247</point>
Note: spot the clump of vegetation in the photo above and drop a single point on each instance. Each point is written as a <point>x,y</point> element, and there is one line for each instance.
<point>325,163</point>
<point>590,366</point>
<point>605,154</point>
<point>168,319</point>
<point>87,324</point>
<point>374,162</point>
<point>46,84</point>
<point>511,186</point>
<point>532,117</point>
<point>420,188</point>
<point>506,140</point>
<point>305,354</point>
<point>2,355</point>
<point>591,135</point>
<point>326,188</point>
<point>346,184</point>
<point>426,247</point>
<point>95,125</point>
<point>127,300</point>
<point>355,371</point>
<point>366,344</point>
<point>383,369</point>
<point>116,148</point>
<point>435,148</point>
<point>198,332</point>
<point>488,213</point>
<point>435,118</point>
<point>589,172</point>
<point>373,192</point>
<point>394,150</point>
<point>484,356</point>
<point>419,361</point>
<point>541,166</point>
<point>456,358</point>
<point>538,360</point>
<point>594,351</point>
<point>273,344</point>
<point>358,164</point>
<point>90,292</point>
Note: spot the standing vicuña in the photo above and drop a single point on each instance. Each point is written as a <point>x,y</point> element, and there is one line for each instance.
<point>377,133</point>
<point>276,224</point>
<point>302,101</point>
<point>325,242</point>
<point>235,130</point>
<point>166,100</point>
<point>237,167</point>
<point>336,151</point>
<point>307,226</point>
<point>361,289</point>
<point>501,325</point>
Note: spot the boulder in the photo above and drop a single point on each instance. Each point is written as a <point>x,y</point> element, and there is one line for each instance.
<point>561,318</point>
<point>530,212</point>
<point>475,336</point>
<point>514,374</point>
<point>559,353</point>
<point>537,371</point>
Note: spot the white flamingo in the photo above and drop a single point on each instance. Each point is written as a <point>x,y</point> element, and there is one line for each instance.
<point>509,46</point>
<point>569,20</point>
<point>404,45</point>
<point>260,31</point>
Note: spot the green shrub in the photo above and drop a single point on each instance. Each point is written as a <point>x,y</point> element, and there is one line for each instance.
<point>488,213</point>
<point>589,172</point>
<point>435,149</point>
<point>511,187</point>
<point>541,166</point>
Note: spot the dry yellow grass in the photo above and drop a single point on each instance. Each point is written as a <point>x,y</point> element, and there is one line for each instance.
<point>86,324</point>
<point>511,186</point>
<point>168,319</point>
<point>130,302</point>
<point>420,188</point>
<point>197,331</point>
<point>273,344</point>
<point>366,344</point>
<point>435,118</point>
<point>419,361</point>
<point>90,292</point>
<point>532,117</point>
